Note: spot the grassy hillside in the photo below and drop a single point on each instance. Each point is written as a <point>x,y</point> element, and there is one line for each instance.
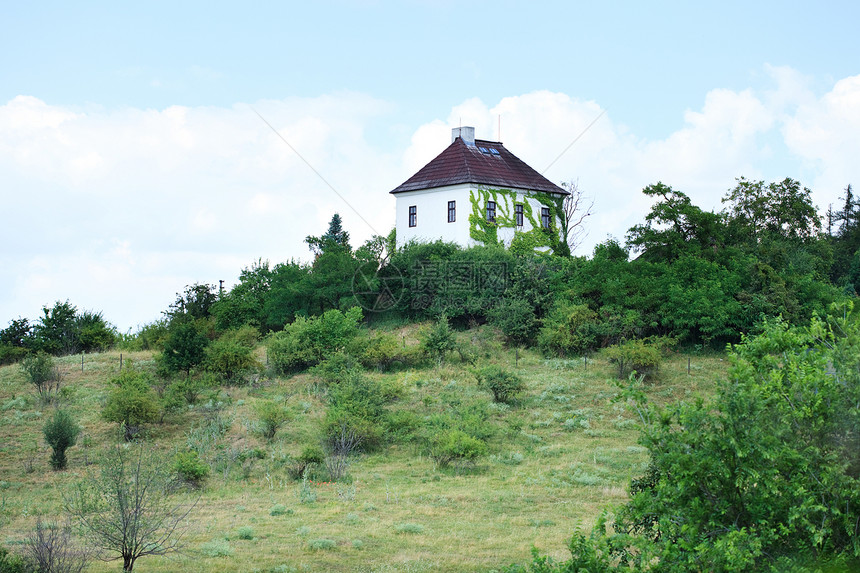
<point>558,457</point>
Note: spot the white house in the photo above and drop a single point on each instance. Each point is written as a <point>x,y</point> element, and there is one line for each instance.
<point>477,191</point>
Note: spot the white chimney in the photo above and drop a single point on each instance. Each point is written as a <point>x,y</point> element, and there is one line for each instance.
<point>467,134</point>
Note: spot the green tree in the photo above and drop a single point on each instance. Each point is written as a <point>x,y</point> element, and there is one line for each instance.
<point>57,331</point>
<point>17,334</point>
<point>245,303</point>
<point>94,332</point>
<point>675,226</point>
<point>336,238</point>
<point>195,303</point>
<point>41,371</point>
<point>272,416</point>
<point>61,433</point>
<point>780,209</point>
<point>505,385</point>
<point>128,510</point>
<point>288,296</point>
<point>184,348</point>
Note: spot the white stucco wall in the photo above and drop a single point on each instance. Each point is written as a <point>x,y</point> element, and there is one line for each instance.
<point>432,215</point>
<point>432,211</point>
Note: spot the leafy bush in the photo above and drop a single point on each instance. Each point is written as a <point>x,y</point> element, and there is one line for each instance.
<point>515,317</point>
<point>336,367</point>
<point>184,347</point>
<point>217,548</point>
<point>321,544</point>
<point>568,330</point>
<point>61,432</point>
<point>278,509</point>
<point>232,355</point>
<point>11,354</point>
<point>380,351</point>
<point>246,533</point>
<point>356,413</point>
<point>346,432</point>
<point>190,468</point>
<point>438,340</point>
<point>132,402</point>
<point>11,563</point>
<point>41,372</point>
<point>504,385</point>
<point>402,425</point>
<point>95,334</point>
<point>151,336</point>
<point>308,341</point>
<point>764,477</point>
<point>640,356</point>
<point>456,447</point>
<point>187,390</point>
<point>310,456</point>
<point>272,416</point>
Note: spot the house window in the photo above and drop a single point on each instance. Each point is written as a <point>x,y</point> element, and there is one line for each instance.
<point>491,211</point>
<point>544,217</point>
<point>518,213</point>
<point>452,211</point>
<point>413,216</point>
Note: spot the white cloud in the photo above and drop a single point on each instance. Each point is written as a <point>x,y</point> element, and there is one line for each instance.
<point>215,184</point>
<point>825,133</point>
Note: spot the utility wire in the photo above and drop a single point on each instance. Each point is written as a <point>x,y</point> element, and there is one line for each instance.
<point>572,142</point>
<point>318,174</point>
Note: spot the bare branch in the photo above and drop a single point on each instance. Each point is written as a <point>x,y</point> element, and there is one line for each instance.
<point>129,511</point>
<point>577,207</point>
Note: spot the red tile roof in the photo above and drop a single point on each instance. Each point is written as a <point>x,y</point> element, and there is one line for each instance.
<point>485,163</point>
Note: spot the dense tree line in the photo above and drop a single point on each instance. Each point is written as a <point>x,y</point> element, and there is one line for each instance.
<point>701,277</point>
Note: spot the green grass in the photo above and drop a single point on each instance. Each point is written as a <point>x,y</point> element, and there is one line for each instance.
<point>556,459</point>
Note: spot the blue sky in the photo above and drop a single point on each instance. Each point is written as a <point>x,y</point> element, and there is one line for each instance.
<point>132,163</point>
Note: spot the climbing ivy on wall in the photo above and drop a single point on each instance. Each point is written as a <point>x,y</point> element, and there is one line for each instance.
<point>524,241</point>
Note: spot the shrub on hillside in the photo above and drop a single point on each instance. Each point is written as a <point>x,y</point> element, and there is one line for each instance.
<point>95,334</point>
<point>12,563</point>
<point>504,384</point>
<point>568,330</point>
<point>516,319</point>
<point>190,468</point>
<point>40,370</point>
<point>272,416</point>
<point>438,340</point>
<point>184,348</point>
<point>131,403</point>
<point>761,477</point>
<point>381,351</point>
<point>310,456</point>
<point>356,413</point>
<point>61,433</point>
<point>11,354</point>
<point>456,447</point>
<point>640,356</point>
<point>308,341</point>
<point>336,367</point>
<point>232,355</point>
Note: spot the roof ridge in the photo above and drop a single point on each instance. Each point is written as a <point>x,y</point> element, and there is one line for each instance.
<point>466,163</point>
